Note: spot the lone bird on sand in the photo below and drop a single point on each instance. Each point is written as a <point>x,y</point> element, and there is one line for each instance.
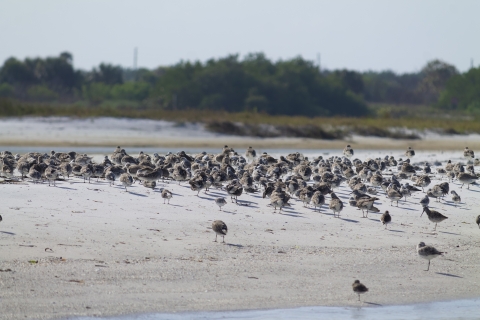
<point>359,288</point>
<point>386,218</point>
<point>427,252</point>
<point>166,195</point>
<point>220,228</point>
<point>220,202</point>
<point>348,151</point>
<point>434,216</point>
<point>409,153</point>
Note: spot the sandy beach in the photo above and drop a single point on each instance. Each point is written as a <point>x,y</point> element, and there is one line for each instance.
<point>90,249</point>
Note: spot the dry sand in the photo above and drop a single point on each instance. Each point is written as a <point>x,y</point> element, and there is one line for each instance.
<point>104,251</point>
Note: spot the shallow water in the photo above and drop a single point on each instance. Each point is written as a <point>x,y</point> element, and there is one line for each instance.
<point>458,309</point>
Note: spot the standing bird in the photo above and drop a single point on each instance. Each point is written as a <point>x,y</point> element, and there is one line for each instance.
<point>455,197</point>
<point>318,199</point>
<point>348,151</point>
<point>220,228</point>
<point>409,153</point>
<point>166,195</point>
<point>126,180</point>
<point>359,288</point>
<point>427,252</point>
<point>434,216</point>
<point>386,218</point>
<point>250,154</point>
<point>466,178</point>
<point>425,201</point>
<point>468,154</point>
<point>335,204</point>
<point>220,202</point>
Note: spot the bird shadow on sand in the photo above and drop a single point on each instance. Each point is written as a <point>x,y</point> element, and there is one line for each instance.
<point>406,208</point>
<point>452,233</point>
<point>137,194</point>
<point>472,190</point>
<point>216,193</point>
<point>206,198</point>
<point>349,220</point>
<point>449,275</point>
<point>234,245</point>
<point>392,230</point>
<point>246,203</point>
<point>291,213</point>
<point>372,303</point>
<point>9,233</point>
<point>67,188</point>
<point>231,212</point>
<point>174,205</point>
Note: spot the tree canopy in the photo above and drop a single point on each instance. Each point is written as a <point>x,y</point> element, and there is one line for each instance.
<point>254,83</point>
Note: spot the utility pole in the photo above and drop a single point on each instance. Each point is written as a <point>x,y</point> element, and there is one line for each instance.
<point>135,57</point>
<point>318,63</point>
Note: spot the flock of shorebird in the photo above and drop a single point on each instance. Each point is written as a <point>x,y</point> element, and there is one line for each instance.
<point>279,179</point>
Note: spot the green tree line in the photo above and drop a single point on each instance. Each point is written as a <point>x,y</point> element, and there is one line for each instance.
<point>254,83</point>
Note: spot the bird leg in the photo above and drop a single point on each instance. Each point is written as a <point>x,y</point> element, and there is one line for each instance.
<point>215,238</point>
<point>223,239</point>
<point>428,268</point>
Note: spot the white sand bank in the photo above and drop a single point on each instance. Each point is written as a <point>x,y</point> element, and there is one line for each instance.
<point>63,131</point>
<point>112,252</point>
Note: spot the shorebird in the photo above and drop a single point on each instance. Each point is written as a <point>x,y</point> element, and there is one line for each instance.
<point>455,197</point>
<point>220,202</point>
<point>423,181</point>
<point>433,216</point>
<point>126,180</point>
<point>466,178</point>
<point>386,218</point>
<point>166,195</point>
<point>393,194</point>
<point>468,154</point>
<point>366,204</point>
<point>359,288</point>
<point>234,189</point>
<point>318,199</point>
<point>425,201</point>
<point>435,192</point>
<point>110,177</point>
<point>336,205</point>
<point>220,228</point>
<point>250,154</point>
<point>409,153</point>
<point>348,151</point>
<point>427,252</point>
<point>51,174</point>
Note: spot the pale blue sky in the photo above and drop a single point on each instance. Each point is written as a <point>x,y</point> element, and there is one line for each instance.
<point>400,35</point>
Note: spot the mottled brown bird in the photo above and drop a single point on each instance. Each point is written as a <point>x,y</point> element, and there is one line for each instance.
<point>359,288</point>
